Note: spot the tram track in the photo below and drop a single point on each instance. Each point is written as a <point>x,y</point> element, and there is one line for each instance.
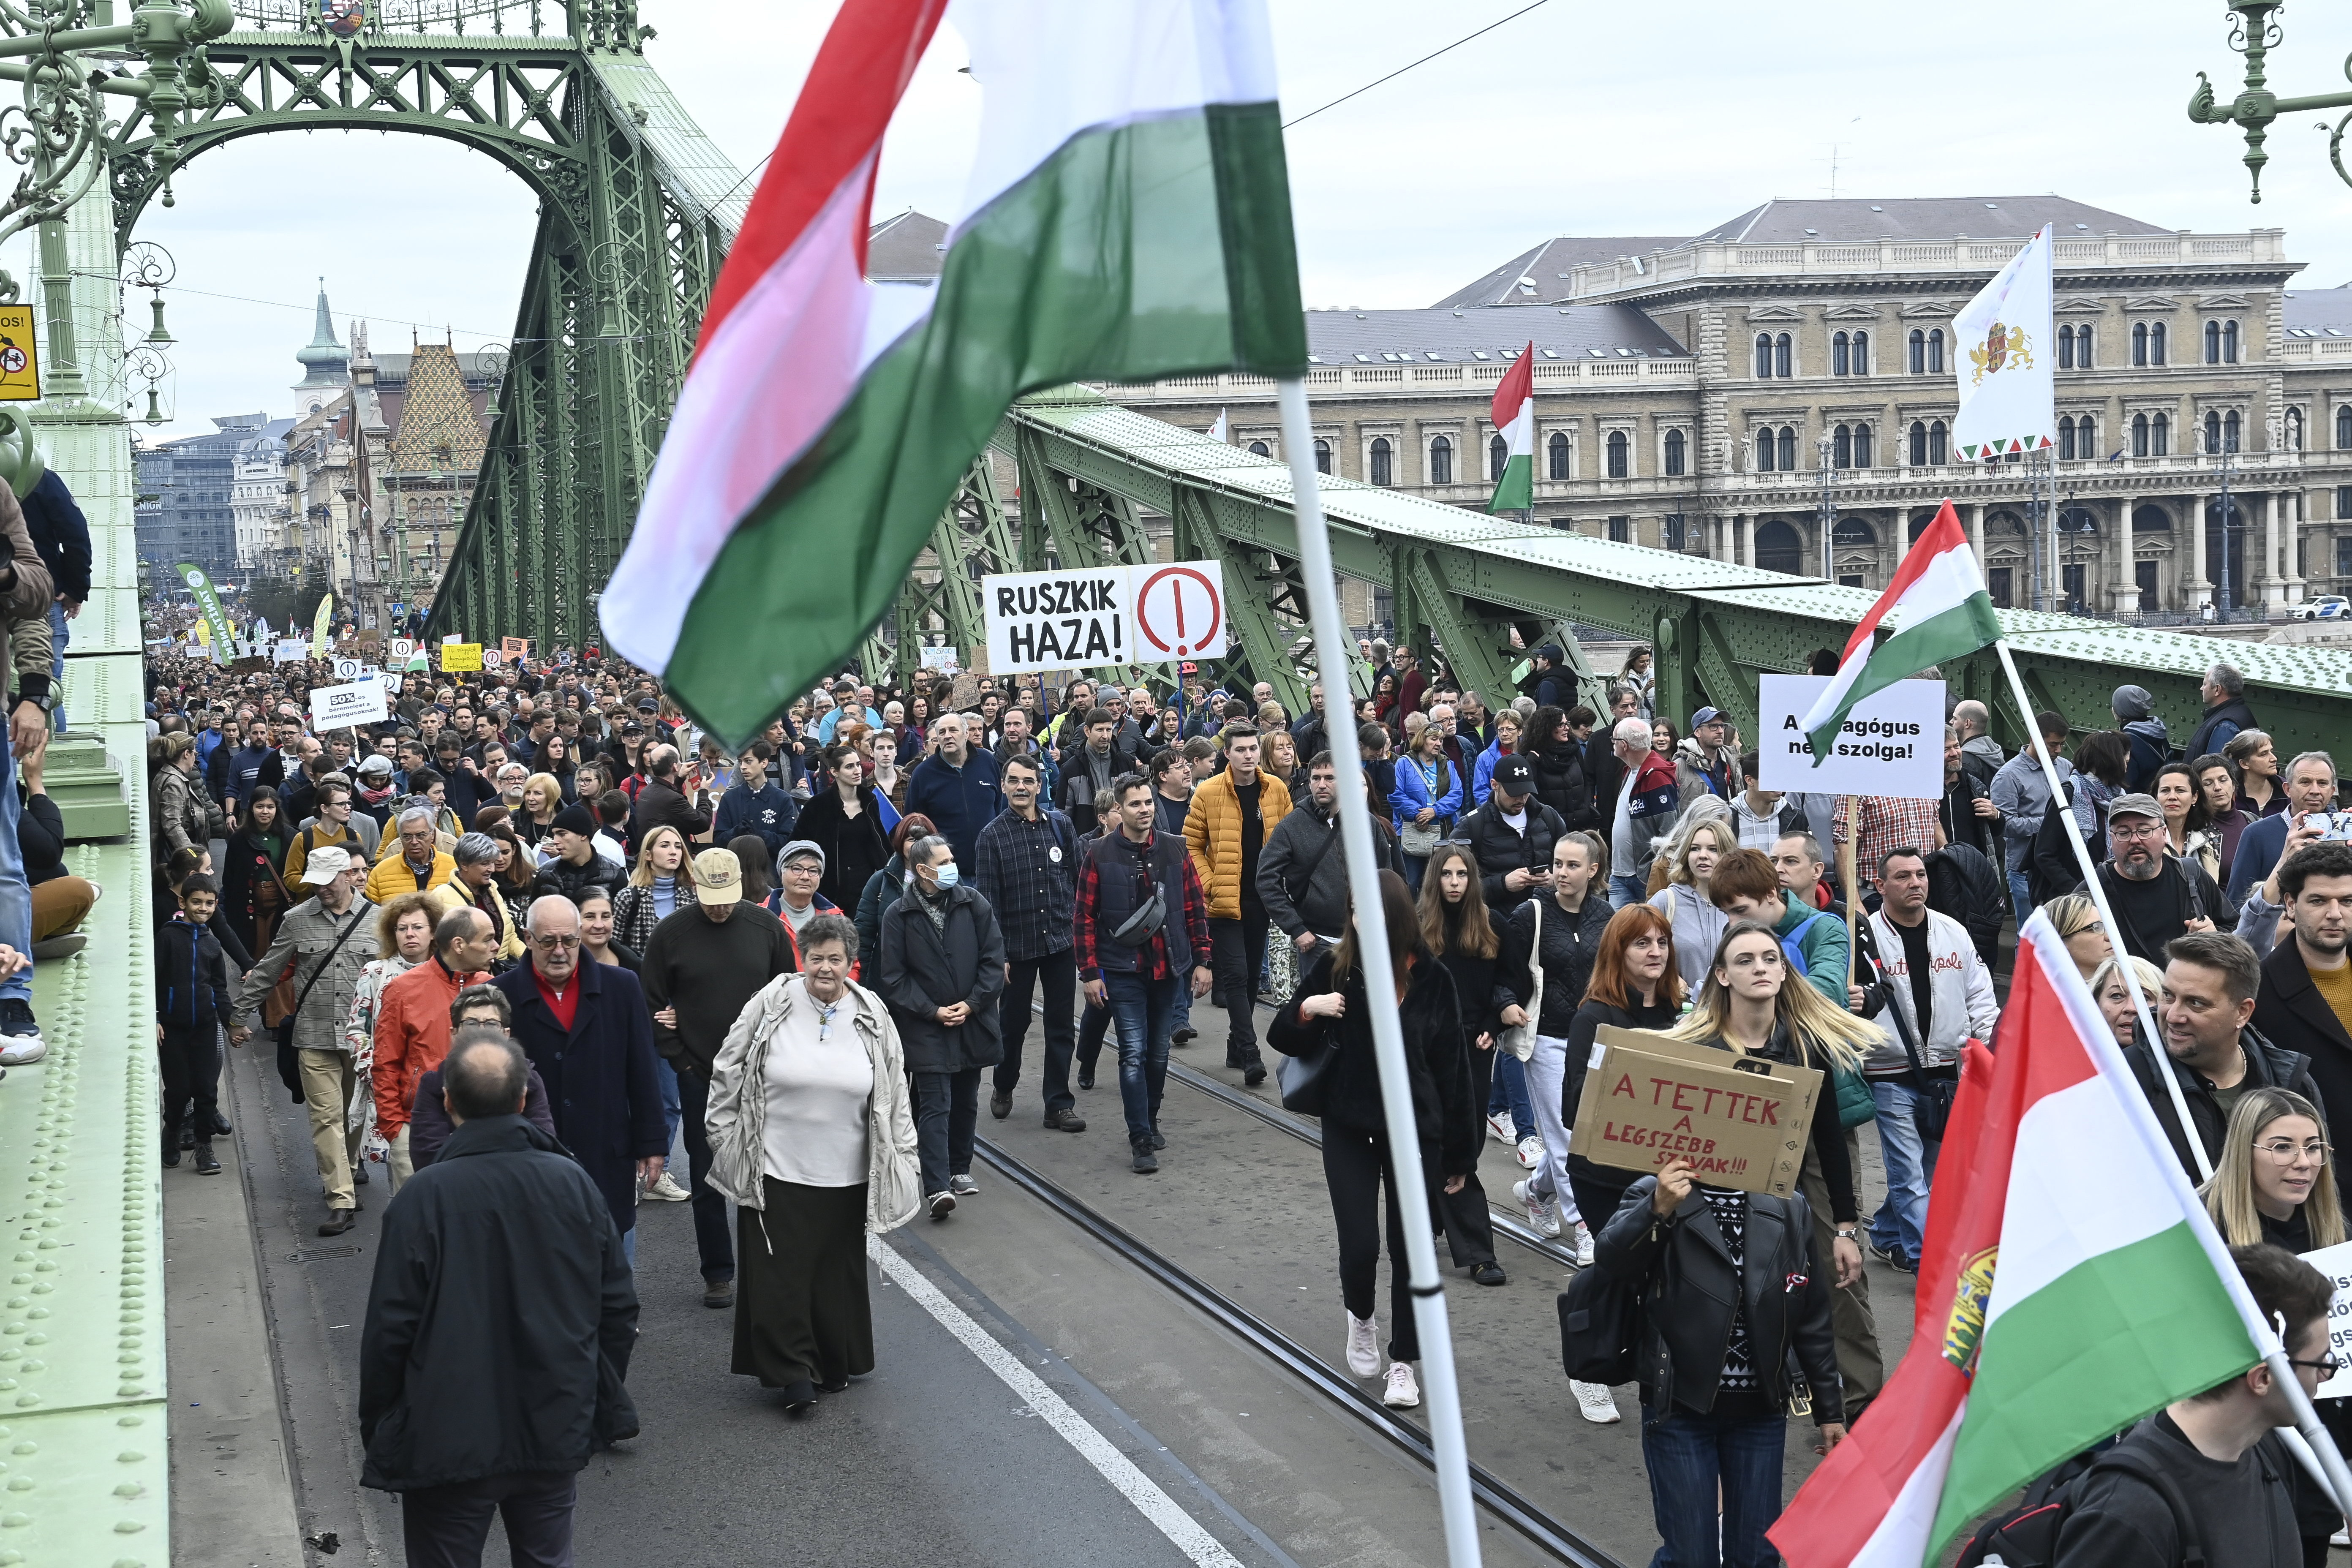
<point>1539,1527</point>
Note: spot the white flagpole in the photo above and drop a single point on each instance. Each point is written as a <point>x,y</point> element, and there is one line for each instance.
<point>1332,654</point>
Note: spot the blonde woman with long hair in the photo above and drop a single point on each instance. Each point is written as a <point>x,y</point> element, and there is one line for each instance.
<point>1751,1004</point>
<point>2276,1178</point>
<point>1688,900</point>
<point>2113,992</point>
<point>661,884</point>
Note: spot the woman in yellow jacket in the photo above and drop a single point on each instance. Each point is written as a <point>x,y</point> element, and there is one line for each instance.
<point>1230,818</point>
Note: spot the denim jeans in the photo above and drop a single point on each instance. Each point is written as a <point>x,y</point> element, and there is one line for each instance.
<point>947,1119</point>
<point>1901,1222</point>
<point>1688,1455</point>
<point>2020,905</point>
<point>1626,891</point>
<point>1511,1092</point>
<point>1141,1009</point>
<point>1547,1074</point>
<point>665,1074</point>
<point>60,635</point>
<point>15,893</point>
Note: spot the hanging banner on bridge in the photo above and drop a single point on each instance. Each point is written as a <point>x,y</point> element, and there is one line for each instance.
<point>1892,743</point>
<point>1104,614</point>
<point>20,355</point>
<point>339,707</point>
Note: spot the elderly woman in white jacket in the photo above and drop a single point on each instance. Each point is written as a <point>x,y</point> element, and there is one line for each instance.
<point>812,1137</point>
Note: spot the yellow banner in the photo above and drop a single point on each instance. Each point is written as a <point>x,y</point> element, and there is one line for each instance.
<point>20,356</point>
<point>461,655</point>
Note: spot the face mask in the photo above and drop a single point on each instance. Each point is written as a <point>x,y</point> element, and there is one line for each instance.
<point>947,878</point>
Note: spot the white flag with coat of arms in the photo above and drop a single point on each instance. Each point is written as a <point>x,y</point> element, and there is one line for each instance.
<point>2004,355</point>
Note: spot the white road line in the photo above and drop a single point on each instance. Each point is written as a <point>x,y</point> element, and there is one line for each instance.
<point>1097,1450</point>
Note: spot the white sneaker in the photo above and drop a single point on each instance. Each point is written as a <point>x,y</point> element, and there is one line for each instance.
<point>1403,1392</point>
<point>1498,1127</point>
<point>21,1050</point>
<point>1542,1213</point>
<point>667,1191</point>
<point>1595,1402</point>
<point>1583,1244</point>
<point>1363,1346</point>
<point>1530,1151</point>
<point>2341,1538</point>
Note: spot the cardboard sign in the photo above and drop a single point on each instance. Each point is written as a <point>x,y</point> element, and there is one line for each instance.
<point>2336,1262</point>
<point>1740,1122</point>
<point>340,706</point>
<point>1892,744</point>
<point>461,655</point>
<point>515,648</point>
<point>1104,614</point>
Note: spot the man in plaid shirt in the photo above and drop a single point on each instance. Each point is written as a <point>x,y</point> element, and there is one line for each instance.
<point>1026,864</point>
<point>1121,877</point>
<point>1887,822</point>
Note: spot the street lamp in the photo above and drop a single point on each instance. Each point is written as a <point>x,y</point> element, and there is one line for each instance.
<point>1825,447</point>
<point>2254,33</point>
<point>2076,523</point>
<point>2219,444</point>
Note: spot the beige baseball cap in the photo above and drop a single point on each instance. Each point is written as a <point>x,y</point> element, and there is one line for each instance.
<point>325,862</point>
<point>718,877</point>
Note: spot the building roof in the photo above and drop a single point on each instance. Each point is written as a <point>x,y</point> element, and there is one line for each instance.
<point>1795,223</point>
<point>1490,333</point>
<point>2319,312</point>
<point>907,248</point>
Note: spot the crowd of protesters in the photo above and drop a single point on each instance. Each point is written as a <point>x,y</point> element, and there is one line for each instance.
<point>539,926</point>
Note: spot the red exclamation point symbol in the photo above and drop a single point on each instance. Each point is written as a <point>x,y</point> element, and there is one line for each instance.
<point>1176,589</point>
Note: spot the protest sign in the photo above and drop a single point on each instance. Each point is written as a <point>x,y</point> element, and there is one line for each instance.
<point>461,655</point>
<point>290,650</point>
<point>940,659</point>
<point>2336,1262</point>
<point>1892,744</point>
<point>1104,614</point>
<point>1741,1121</point>
<point>339,707</point>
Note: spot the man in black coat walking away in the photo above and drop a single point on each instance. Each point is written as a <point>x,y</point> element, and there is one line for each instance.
<point>498,1326</point>
<point>943,969</point>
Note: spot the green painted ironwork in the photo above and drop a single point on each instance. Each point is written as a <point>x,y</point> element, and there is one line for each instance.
<point>2254,31</point>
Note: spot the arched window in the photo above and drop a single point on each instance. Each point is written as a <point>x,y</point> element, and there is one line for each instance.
<point>2156,343</point>
<point>1261,448</point>
<point>1440,460</point>
<point>1861,354</point>
<point>2066,348</point>
<point>1765,459</point>
<point>1935,352</point>
<point>2160,436</point>
<point>2139,436</point>
<point>1853,531</point>
<point>2139,343</point>
<point>1839,346</point>
<point>1842,446</point>
<point>1556,448</point>
<point>1780,356</point>
<point>1863,445</point>
<point>1322,456</point>
<point>1778,548</point>
<point>1919,443</point>
<point>1917,363</point>
<point>1763,354</point>
<point>1383,462</point>
<point>2294,429</point>
<point>1677,446</point>
<point>2212,342</point>
<point>2212,430</point>
<point>2083,347</point>
<point>1937,439</point>
<point>2231,428</point>
<point>2086,437</point>
<point>1498,457</point>
<point>2065,422</point>
<point>1618,453</point>
<point>1788,448</point>
<point>2229,343</point>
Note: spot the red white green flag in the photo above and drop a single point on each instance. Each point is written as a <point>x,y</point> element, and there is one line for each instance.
<point>2071,1284</point>
<point>1937,608</point>
<point>1515,417</point>
<point>1128,217</point>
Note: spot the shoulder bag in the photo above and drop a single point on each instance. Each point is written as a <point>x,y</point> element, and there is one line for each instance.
<point>1419,839</point>
<point>1519,1040</point>
<point>1600,1328</point>
<point>1306,1081</point>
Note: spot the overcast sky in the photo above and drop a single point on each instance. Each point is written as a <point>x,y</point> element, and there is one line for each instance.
<point>1575,119</point>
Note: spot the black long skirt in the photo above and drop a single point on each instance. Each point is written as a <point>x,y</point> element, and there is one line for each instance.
<point>801,1313</point>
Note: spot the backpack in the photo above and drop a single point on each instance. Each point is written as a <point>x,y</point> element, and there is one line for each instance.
<point>1600,1328</point>
<point>2026,1535</point>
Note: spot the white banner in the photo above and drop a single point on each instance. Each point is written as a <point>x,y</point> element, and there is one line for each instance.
<point>1892,742</point>
<point>340,706</point>
<point>1104,614</point>
<point>289,651</point>
<point>2336,1262</point>
<point>2007,358</point>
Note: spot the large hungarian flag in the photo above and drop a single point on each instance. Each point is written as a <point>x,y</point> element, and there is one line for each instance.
<point>1515,417</point>
<point>2071,1285</point>
<point>1128,217</point>
<point>1938,609</point>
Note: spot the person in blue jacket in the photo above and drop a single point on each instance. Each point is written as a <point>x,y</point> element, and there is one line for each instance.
<point>753,803</point>
<point>1507,740</point>
<point>1425,798</point>
<point>956,788</point>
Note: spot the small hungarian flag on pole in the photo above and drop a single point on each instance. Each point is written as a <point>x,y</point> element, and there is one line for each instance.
<point>2062,1296</point>
<point>1515,417</point>
<point>1127,218</point>
<point>1937,608</point>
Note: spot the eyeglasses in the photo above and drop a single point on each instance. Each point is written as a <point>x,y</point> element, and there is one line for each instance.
<point>2285,1151</point>
<point>2326,1367</point>
<point>555,943</point>
<point>2153,830</point>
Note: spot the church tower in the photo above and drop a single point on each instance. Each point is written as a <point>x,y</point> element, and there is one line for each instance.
<point>326,368</point>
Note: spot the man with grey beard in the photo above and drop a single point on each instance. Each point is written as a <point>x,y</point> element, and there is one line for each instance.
<point>2156,895</point>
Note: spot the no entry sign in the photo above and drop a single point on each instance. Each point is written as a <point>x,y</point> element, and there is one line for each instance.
<point>1104,614</point>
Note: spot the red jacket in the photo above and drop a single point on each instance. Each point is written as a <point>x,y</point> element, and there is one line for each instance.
<point>412,1035</point>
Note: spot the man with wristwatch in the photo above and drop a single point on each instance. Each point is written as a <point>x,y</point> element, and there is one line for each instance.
<point>24,596</point>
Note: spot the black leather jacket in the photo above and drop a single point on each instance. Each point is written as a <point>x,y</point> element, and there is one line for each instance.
<point>1688,1284</point>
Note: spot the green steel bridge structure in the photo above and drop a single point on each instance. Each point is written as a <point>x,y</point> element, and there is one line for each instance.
<point>637,208</point>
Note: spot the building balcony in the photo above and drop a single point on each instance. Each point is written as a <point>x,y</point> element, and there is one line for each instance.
<point>1406,380</point>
